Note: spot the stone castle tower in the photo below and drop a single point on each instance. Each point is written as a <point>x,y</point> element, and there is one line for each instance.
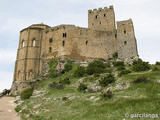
<point>103,37</point>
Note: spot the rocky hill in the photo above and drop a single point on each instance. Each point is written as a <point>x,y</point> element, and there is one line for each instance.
<point>99,90</point>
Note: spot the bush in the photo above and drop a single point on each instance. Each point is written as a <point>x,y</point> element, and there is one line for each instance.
<point>107,95</point>
<point>64,98</point>
<point>120,68</point>
<point>115,55</point>
<point>56,85</point>
<point>107,80</point>
<point>18,108</point>
<point>65,81</point>
<point>26,94</point>
<point>141,79</point>
<point>52,66</point>
<point>96,75</point>
<point>68,66</point>
<point>139,66</point>
<point>80,71</point>
<point>157,63</point>
<point>118,63</point>
<point>96,66</point>
<point>53,74</point>
<point>124,72</point>
<point>82,87</point>
<point>108,64</point>
<point>155,68</point>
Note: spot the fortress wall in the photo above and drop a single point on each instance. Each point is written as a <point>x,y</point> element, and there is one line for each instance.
<point>61,41</point>
<point>127,46</point>
<point>100,44</point>
<point>80,43</point>
<point>102,19</point>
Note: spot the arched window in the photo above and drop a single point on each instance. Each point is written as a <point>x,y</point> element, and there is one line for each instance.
<point>63,43</point>
<point>125,42</point>
<point>18,76</point>
<point>124,31</point>
<point>50,49</point>
<point>64,35</point>
<point>50,40</point>
<point>33,42</point>
<point>23,44</point>
<point>86,42</point>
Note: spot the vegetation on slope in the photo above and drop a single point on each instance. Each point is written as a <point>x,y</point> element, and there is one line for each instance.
<point>100,91</point>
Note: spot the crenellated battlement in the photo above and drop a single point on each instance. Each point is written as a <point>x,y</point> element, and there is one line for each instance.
<point>100,10</point>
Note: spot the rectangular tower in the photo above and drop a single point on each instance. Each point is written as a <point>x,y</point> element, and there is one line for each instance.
<point>102,19</point>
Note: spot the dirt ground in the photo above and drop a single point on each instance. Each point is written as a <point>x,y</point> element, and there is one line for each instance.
<point>7,111</point>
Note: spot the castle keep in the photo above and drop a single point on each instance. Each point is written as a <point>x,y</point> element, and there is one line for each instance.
<point>103,37</point>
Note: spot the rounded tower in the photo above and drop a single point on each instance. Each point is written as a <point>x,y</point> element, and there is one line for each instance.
<point>28,59</point>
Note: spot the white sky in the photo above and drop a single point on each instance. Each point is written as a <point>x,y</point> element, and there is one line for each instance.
<point>17,14</point>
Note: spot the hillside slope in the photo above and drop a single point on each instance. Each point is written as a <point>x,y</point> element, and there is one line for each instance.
<point>60,97</point>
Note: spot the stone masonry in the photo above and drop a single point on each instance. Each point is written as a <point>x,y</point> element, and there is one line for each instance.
<point>39,42</point>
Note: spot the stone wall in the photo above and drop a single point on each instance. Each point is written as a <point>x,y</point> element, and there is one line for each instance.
<point>102,19</point>
<point>126,41</point>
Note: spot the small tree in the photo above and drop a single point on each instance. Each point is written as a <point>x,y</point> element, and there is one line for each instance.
<point>105,81</point>
<point>26,94</point>
<point>96,66</point>
<point>139,65</point>
<point>80,71</point>
<point>82,87</point>
<point>107,95</point>
<point>68,67</point>
<point>115,55</point>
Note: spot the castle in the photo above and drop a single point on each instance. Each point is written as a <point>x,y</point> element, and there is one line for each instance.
<point>103,37</point>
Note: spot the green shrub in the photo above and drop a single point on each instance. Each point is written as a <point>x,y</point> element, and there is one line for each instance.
<point>18,108</point>
<point>118,63</point>
<point>155,68</point>
<point>115,55</point>
<point>26,94</point>
<point>80,71</point>
<point>108,64</point>
<point>108,70</point>
<point>53,74</point>
<point>68,66</point>
<point>52,66</point>
<point>65,81</point>
<point>56,85</point>
<point>120,68</point>
<point>82,87</point>
<point>96,75</point>
<point>141,79</point>
<point>157,63</point>
<point>64,98</point>
<point>139,66</point>
<point>124,72</point>
<point>106,80</point>
<point>96,66</point>
<point>107,95</point>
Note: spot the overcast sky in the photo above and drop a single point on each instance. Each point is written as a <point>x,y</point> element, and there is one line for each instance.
<point>18,14</point>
